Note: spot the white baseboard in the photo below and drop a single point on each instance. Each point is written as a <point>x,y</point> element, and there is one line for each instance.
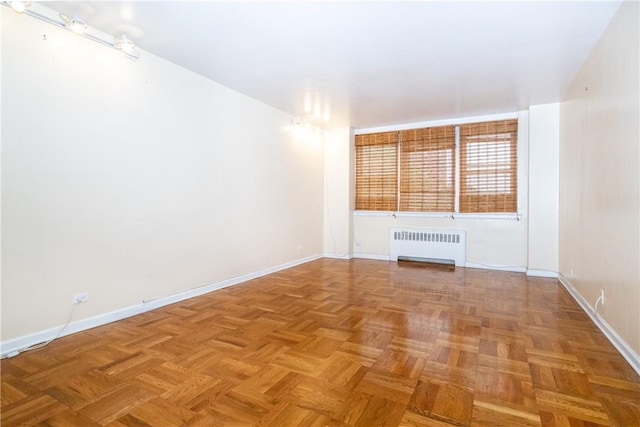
<point>511,268</point>
<point>372,256</point>
<point>542,273</point>
<point>337,256</point>
<point>618,342</point>
<point>15,345</point>
<point>468,263</point>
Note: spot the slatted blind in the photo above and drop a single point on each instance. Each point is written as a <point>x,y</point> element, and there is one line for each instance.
<point>488,166</point>
<point>427,169</point>
<point>377,172</point>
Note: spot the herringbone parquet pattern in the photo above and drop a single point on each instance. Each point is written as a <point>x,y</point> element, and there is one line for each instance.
<point>339,343</point>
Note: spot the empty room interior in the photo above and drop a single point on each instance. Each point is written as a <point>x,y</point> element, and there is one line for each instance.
<point>230,213</point>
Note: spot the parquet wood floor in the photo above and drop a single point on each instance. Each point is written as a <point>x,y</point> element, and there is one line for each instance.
<point>337,343</point>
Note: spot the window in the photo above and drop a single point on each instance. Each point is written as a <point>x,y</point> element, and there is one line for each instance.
<point>488,158</point>
<point>377,172</point>
<point>427,163</point>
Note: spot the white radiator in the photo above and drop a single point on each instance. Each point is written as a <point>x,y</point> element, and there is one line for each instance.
<point>434,244</point>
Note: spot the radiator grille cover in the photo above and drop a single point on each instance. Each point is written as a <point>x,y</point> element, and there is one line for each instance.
<point>439,244</point>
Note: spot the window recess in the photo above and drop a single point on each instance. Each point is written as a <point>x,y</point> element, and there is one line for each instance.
<point>469,168</point>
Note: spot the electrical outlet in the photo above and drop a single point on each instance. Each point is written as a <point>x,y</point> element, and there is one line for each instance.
<point>83,297</point>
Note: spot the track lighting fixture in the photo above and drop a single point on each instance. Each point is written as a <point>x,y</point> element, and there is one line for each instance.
<point>123,43</point>
<point>75,24</point>
<point>308,127</point>
<point>19,6</point>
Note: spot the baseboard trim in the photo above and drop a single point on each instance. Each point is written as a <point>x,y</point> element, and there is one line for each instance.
<point>542,273</point>
<point>372,256</point>
<point>337,256</point>
<point>468,264</point>
<point>510,268</point>
<point>14,346</point>
<point>618,342</point>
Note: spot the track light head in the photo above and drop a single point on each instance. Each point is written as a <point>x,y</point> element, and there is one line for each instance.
<point>75,24</point>
<point>19,6</point>
<point>123,43</point>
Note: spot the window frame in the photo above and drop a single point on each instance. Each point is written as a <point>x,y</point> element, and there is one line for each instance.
<point>418,149</point>
<point>490,134</point>
<point>515,171</point>
<point>376,190</point>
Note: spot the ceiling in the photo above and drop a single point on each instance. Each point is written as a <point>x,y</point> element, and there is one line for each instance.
<point>368,64</point>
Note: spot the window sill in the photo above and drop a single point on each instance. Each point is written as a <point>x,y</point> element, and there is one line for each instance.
<point>453,216</point>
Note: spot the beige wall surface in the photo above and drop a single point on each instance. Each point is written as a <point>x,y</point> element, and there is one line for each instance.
<point>600,177</point>
<point>133,180</point>
<point>544,136</point>
<point>338,148</point>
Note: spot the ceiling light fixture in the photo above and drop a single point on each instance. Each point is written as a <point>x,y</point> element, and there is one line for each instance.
<point>19,6</point>
<point>306,126</point>
<point>123,43</point>
<point>76,25</point>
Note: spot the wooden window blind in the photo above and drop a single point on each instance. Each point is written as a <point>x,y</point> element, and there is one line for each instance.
<point>427,169</point>
<point>377,172</point>
<point>488,166</point>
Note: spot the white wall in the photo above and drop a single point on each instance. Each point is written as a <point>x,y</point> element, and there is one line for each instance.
<point>495,243</point>
<point>135,180</point>
<point>338,153</point>
<point>1,22</point>
<point>600,177</point>
<point>542,238</point>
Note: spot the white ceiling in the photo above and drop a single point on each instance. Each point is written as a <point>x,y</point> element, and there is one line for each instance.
<point>368,64</point>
